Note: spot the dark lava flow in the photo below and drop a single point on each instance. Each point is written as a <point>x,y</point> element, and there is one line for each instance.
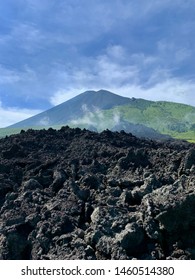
<point>76,194</point>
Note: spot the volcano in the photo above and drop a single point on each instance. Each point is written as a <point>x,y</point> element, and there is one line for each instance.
<point>75,108</point>
<point>100,110</point>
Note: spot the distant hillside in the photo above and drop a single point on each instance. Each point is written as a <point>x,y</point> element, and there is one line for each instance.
<point>102,110</point>
<point>139,130</point>
<point>174,119</point>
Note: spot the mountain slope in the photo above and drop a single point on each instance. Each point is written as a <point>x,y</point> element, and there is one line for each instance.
<point>75,108</point>
<point>105,110</point>
<point>139,130</point>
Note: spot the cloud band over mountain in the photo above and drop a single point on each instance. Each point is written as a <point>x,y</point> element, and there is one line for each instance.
<point>50,51</point>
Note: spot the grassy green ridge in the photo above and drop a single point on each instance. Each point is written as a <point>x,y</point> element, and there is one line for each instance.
<point>174,119</point>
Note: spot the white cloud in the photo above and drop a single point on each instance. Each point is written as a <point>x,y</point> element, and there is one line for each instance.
<point>12,115</point>
<point>116,117</point>
<point>122,74</point>
<point>45,121</point>
<point>174,90</point>
<point>95,73</point>
<point>182,54</point>
<point>171,53</point>
<point>25,36</point>
<point>8,76</point>
<point>96,118</point>
<point>28,37</point>
<point>78,22</point>
<point>11,76</point>
<point>61,33</point>
<point>63,95</point>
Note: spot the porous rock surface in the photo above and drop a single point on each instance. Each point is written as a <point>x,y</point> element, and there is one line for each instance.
<point>76,194</point>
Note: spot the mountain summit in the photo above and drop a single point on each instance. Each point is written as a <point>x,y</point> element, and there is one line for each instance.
<point>88,101</point>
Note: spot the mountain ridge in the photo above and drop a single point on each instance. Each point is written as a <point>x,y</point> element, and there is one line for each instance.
<point>100,110</point>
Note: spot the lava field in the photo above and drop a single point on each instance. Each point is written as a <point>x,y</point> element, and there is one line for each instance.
<point>77,194</point>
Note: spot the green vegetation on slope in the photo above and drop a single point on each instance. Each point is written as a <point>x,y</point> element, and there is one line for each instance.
<point>174,119</point>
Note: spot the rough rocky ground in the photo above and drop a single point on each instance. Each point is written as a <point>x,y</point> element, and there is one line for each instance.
<point>76,194</point>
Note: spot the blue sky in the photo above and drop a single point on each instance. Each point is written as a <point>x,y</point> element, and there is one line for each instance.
<point>52,50</point>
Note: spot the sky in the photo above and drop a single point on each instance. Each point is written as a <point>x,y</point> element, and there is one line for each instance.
<point>53,50</point>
